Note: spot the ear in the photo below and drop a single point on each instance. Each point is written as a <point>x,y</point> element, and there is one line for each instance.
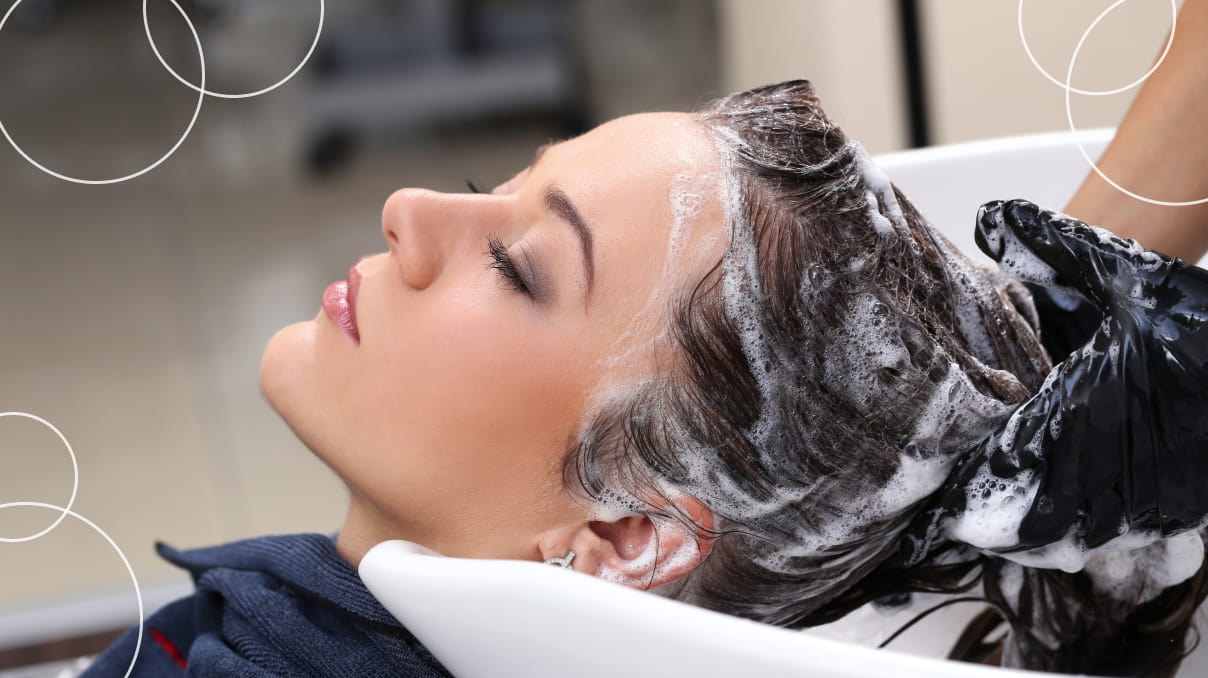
<point>635,550</point>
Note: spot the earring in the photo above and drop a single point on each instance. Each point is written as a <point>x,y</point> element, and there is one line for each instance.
<point>564,561</point>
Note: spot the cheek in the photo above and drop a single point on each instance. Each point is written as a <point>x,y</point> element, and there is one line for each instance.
<point>472,377</point>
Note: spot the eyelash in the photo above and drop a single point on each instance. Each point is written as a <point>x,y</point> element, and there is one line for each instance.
<point>500,259</point>
<point>502,262</point>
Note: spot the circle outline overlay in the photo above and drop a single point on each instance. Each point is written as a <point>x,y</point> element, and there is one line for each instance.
<point>1068,88</point>
<point>75,468</point>
<point>148,168</point>
<point>138,643</point>
<point>246,95</point>
<point>1069,115</point>
<point>1095,93</point>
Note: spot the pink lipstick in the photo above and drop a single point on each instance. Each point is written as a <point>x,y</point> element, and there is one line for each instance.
<point>340,304</point>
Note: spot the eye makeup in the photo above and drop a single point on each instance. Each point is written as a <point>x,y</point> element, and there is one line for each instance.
<point>502,261</point>
<point>516,272</point>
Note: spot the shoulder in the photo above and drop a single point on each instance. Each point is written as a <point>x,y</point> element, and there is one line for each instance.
<point>271,606</point>
<point>165,640</point>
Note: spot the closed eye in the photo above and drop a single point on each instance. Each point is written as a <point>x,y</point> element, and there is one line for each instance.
<point>501,261</point>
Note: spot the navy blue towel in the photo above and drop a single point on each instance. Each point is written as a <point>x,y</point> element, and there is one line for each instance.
<point>270,606</point>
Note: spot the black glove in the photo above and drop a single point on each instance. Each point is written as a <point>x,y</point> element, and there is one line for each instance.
<point>1116,440</point>
<point>1066,322</point>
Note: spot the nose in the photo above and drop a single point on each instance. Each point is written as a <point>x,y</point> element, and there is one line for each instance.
<point>426,230</point>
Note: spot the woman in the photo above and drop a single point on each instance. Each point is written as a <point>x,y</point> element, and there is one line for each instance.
<point>713,354</point>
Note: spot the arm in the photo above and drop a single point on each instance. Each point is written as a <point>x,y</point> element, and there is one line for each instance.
<point>1161,152</point>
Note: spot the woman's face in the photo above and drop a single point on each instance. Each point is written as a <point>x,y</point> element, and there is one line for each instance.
<point>449,418</point>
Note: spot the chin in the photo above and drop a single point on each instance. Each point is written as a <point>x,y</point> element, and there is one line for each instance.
<point>305,389</point>
<point>288,376</point>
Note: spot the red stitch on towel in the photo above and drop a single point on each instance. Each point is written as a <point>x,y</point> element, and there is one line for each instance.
<point>169,647</point>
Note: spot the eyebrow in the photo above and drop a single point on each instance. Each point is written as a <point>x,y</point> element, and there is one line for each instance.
<point>559,203</point>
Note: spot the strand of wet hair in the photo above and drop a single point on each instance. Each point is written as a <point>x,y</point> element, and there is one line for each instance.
<point>936,608</point>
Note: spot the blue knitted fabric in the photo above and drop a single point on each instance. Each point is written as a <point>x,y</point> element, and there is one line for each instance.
<point>270,606</point>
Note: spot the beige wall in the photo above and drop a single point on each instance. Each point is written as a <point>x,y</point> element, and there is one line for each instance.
<point>983,84</point>
<point>981,81</point>
<point>847,48</point>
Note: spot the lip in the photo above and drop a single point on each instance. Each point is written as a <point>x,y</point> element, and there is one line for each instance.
<point>340,304</point>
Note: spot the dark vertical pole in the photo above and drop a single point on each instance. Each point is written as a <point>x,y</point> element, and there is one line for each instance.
<point>913,70</point>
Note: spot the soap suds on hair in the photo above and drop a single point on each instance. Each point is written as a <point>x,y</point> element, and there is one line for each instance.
<point>955,416</point>
<point>687,196</point>
<point>1135,565</point>
<point>1141,574</point>
<point>883,209</point>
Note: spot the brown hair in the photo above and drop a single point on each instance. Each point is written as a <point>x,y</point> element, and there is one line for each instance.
<point>840,343</point>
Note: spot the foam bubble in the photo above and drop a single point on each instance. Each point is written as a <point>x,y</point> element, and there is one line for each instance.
<point>951,417</point>
<point>647,566</point>
<point>688,193</point>
<point>954,417</point>
<point>1010,583</point>
<point>994,509</point>
<point>1020,263</point>
<point>1139,574</point>
<point>687,196</point>
<point>1055,425</point>
<point>1065,555</point>
<point>878,193</point>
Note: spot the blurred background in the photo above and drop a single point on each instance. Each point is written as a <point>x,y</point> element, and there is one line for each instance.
<point>132,316</point>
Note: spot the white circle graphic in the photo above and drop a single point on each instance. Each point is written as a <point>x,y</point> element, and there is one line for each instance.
<point>202,89</point>
<point>75,483</point>
<point>148,168</point>
<point>1069,115</point>
<point>138,643</point>
<point>1095,93</point>
<point>1068,88</point>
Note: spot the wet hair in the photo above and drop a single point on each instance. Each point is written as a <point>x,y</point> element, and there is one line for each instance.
<point>829,371</point>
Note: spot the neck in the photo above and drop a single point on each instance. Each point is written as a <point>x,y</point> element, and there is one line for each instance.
<point>365,527</point>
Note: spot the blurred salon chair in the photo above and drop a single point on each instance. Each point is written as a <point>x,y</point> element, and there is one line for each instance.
<point>431,63</point>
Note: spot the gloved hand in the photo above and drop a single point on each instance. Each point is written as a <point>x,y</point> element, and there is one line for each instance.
<point>1116,440</point>
<point>1066,321</point>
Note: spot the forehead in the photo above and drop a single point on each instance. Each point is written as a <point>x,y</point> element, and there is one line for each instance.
<point>647,146</point>
<point>650,187</point>
<point>631,173</point>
